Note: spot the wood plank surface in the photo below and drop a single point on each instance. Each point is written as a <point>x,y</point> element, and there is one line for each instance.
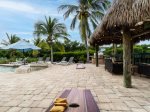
<point>63,95</point>
<point>90,102</point>
<point>83,98</point>
<point>76,96</point>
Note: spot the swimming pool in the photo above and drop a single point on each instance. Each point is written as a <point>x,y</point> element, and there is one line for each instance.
<point>7,69</point>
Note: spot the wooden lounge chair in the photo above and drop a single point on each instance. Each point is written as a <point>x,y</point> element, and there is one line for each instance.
<point>83,98</point>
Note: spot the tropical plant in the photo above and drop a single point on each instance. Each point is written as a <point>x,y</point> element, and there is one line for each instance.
<point>87,12</point>
<point>41,43</point>
<point>59,46</point>
<point>52,29</point>
<point>37,41</point>
<point>10,39</point>
<point>73,46</point>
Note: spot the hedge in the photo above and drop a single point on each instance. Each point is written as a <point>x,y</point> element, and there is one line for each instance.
<point>78,56</point>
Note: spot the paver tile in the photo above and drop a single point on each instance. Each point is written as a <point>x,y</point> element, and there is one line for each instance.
<point>25,110</point>
<point>4,109</point>
<point>35,91</point>
<point>132,104</point>
<point>138,110</point>
<point>45,103</point>
<point>26,103</point>
<point>14,109</point>
<point>36,110</point>
<point>147,108</point>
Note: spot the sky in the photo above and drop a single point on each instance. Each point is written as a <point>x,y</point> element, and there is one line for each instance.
<point>19,16</point>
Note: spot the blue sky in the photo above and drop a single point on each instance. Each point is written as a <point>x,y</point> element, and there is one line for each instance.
<point>19,16</point>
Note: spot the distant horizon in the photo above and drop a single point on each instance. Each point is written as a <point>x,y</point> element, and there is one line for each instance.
<point>18,17</point>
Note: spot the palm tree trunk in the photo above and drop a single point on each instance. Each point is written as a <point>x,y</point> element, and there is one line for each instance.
<point>127,58</point>
<point>51,53</point>
<point>84,35</point>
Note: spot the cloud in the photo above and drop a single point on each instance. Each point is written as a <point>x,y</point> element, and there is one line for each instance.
<point>67,2</point>
<point>22,33</point>
<point>18,6</point>
<point>27,8</point>
<point>18,16</point>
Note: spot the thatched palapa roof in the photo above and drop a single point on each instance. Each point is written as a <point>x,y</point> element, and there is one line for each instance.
<point>131,14</point>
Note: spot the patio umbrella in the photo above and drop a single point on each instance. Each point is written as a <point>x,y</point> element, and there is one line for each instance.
<point>23,46</point>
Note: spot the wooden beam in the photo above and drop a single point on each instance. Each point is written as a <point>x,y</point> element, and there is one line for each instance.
<point>141,34</point>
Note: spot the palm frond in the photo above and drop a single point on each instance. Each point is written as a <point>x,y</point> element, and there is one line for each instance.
<point>93,23</point>
<point>59,46</point>
<point>65,7</point>
<point>73,23</point>
<point>69,9</point>
<point>10,39</point>
<point>106,4</point>
<point>51,28</point>
<point>97,14</point>
<point>4,42</point>
<point>90,10</point>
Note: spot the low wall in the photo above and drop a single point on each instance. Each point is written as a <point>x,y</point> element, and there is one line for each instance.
<point>100,60</point>
<point>35,67</point>
<point>29,68</point>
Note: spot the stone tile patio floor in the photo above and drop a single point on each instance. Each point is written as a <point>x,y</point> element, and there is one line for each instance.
<point>35,91</point>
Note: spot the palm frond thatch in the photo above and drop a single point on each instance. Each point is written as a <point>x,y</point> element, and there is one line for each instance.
<point>125,13</point>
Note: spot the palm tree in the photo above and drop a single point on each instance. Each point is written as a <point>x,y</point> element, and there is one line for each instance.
<point>52,29</point>
<point>37,41</point>
<point>41,43</point>
<point>87,12</point>
<point>11,39</point>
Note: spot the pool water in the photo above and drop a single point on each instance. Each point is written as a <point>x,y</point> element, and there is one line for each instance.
<point>7,69</point>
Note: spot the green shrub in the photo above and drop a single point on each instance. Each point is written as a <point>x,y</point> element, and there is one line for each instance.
<point>82,59</point>
<point>35,53</point>
<point>29,60</point>
<point>4,61</point>
<point>77,55</point>
<point>138,49</point>
<point>12,59</point>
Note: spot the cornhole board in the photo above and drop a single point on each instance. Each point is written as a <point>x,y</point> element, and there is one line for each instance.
<point>80,66</point>
<point>83,98</point>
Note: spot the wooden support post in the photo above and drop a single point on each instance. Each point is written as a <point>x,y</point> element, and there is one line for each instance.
<point>127,58</point>
<point>114,50</point>
<point>97,48</point>
<point>132,53</point>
